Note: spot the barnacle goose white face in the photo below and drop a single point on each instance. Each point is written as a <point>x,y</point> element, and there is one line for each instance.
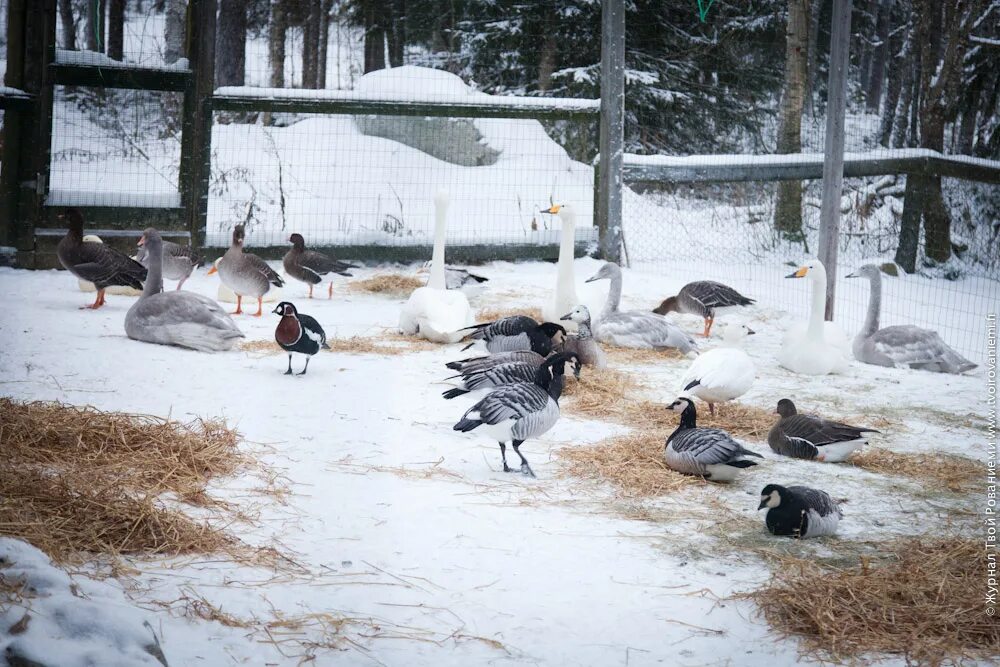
<point>679,405</point>
<point>770,500</point>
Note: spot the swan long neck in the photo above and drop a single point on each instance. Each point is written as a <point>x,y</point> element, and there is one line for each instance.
<point>583,331</point>
<point>154,272</point>
<point>614,296</point>
<point>567,248</point>
<point>818,305</point>
<point>874,305</point>
<point>437,280</point>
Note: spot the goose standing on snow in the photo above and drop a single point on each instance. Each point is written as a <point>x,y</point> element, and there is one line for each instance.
<point>799,511</point>
<point>901,345</point>
<point>516,412</point>
<point>486,362</point>
<point>310,266</point>
<point>816,347</point>
<point>634,328</point>
<point>95,262</point>
<point>508,373</point>
<point>516,332</point>
<point>434,312</point>
<point>811,437</point>
<point>245,273</point>
<point>177,318</point>
<point>298,333</point>
<point>178,260</point>
<point>707,452</point>
<point>703,298</point>
<point>582,343</point>
<point>723,373</point>
<point>565,298</point>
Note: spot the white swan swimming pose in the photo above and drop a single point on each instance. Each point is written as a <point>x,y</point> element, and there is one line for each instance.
<point>435,312</point>
<point>816,347</point>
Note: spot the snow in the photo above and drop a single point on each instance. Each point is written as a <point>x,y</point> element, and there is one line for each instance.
<point>97,59</point>
<point>61,197</point>
<point>756,160</point>
<point>402,523</point>
<point>7,91</point>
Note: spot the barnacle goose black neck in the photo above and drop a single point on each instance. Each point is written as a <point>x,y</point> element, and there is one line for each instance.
<point>708,452</point>
<point>799,511</point>
<point>517,332</point>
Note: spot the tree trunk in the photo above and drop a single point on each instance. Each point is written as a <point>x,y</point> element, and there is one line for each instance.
<point>987,130</point>
<point>95,25</point>
<point>909,85</point>
<point>788,205</point>
<point>812,54</point>
<point>547,62</point>
<point>277,30</point>
<point>396,33</point>
<point>879,56</point>
<point>231,44</point>
<point>324,42</point>
<point>912,133</point>
<point>374,36</point>
<point>909,227</point>
<point>116,29</point>
<point>68,24</point>
<point>898,54</point>
<point>174,31</point>
<point>310,43</point>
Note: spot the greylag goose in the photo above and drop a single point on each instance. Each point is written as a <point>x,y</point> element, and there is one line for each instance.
<point>95,262</point>
<point>723,373</point>
<point>310,266</point>
<point>245,273</point>
<point>811,437</point>
<point>516,412</point>
<point>177,318</point>
<point>634,328</point>
<point>707,452</point>
<point>178,260</point>
<point>582,343</point>
<point>799,511</point>
<point>511,372</point>
<point>476,364</point>
<point>298,333</point>
<point>901,345</point>
<point>517,332</point>
<point>703,298</point>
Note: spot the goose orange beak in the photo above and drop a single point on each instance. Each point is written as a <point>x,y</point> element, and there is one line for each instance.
<point>213,270</point>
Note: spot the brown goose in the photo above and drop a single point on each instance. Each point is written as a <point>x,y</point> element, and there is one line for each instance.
<point>703,298</point>
<point>100,264</point>
<point>245,273</point>
<point>310,266</point>
<point>810,437</point>
<point>178,260</point>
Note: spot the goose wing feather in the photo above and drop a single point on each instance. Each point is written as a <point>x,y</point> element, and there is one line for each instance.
<point>643,330</point>
<point>711,294</point>
<point>511,402</point>
<point>818,431</point>
<point>817,500</point>
<point>708,446</point>
<point>502,374</point>
<point>104,266</point>
<point>908,345</point>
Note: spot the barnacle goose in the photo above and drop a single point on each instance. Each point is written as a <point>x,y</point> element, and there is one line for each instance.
<point>799,511</point>
<point>709,452</point>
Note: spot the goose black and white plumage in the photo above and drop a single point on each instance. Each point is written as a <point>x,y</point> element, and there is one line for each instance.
<point>485,362</point>
<point>810,437</point>
<point>298,333</point>
<point>517,412</point>
<point>178,260</point>
<point>799,511</point>
<point>97,263</point>
<point>516,332</point>
<point>703,298</point>
<point>707,452</point>
<point>310,266</point>
<point>499,375</point>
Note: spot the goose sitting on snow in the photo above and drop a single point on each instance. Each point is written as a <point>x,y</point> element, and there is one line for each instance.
<point>499,375</point>
<point>486,362</point>
<point>245,273</point>
<point>435,312</point>
<point>516,332</point>
<point>707,452</point>
<point>816,347</point>
<point>582,343</point>
<point>799,511</point>
<point>95,262</point>
<point>517,412</point>
<point>312,267</point>
<point>901,345</point>
<point>810,437</point>
<point>178,260</point>
<point>634,328</point>
<point>724,373</point>
<point>703,298</point>
<point>177,318</point>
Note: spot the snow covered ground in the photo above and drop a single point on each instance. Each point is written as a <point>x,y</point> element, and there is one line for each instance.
<point>409,527</point>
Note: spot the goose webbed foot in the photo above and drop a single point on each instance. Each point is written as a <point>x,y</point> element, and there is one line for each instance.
<point>525,468</point>
<point>503,455</point>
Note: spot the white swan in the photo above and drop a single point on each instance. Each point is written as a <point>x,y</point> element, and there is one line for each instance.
<point>816,347</point>
<point>723,373</point>
<point>565,299</point>
<point>434,312</point>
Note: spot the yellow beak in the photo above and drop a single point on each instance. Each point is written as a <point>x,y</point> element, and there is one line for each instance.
<point>213,270</point>
<point>552,209</point>
<point>800,273</point>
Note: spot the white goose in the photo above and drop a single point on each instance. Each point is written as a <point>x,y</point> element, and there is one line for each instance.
<point>723,373</point>
<point>435,312</point>
<point>815,347</point>
<point>565,299</point>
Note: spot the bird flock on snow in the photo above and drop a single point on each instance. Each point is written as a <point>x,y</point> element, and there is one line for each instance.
<point>519,377</point>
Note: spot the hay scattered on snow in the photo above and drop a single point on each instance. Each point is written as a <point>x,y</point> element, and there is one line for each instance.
<point>388,284</point>
<point>493,314</point>
<point>923,602</point>
<point>631,356</point>
<point>957,473</point>
<point>389,343</point>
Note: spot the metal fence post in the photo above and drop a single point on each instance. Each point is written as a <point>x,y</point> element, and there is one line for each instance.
<point>609,221</point>
<point>196,140</point>
<point>833,163</point>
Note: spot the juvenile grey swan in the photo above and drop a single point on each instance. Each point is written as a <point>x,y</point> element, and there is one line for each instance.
<point>634,328</point>
<point>703,298</point>
<point>582,343</point>
<point>177,318</point>
<point>901,345</point>
<point>178,260</point>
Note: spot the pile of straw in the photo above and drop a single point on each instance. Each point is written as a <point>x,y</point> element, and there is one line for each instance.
<point>631,356</point>
<point>79,480</point>
<point>388,284</point>
<point>924,602</point>
<point>387,343</point>
<point>956,473</point>
<point>493,314</point>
